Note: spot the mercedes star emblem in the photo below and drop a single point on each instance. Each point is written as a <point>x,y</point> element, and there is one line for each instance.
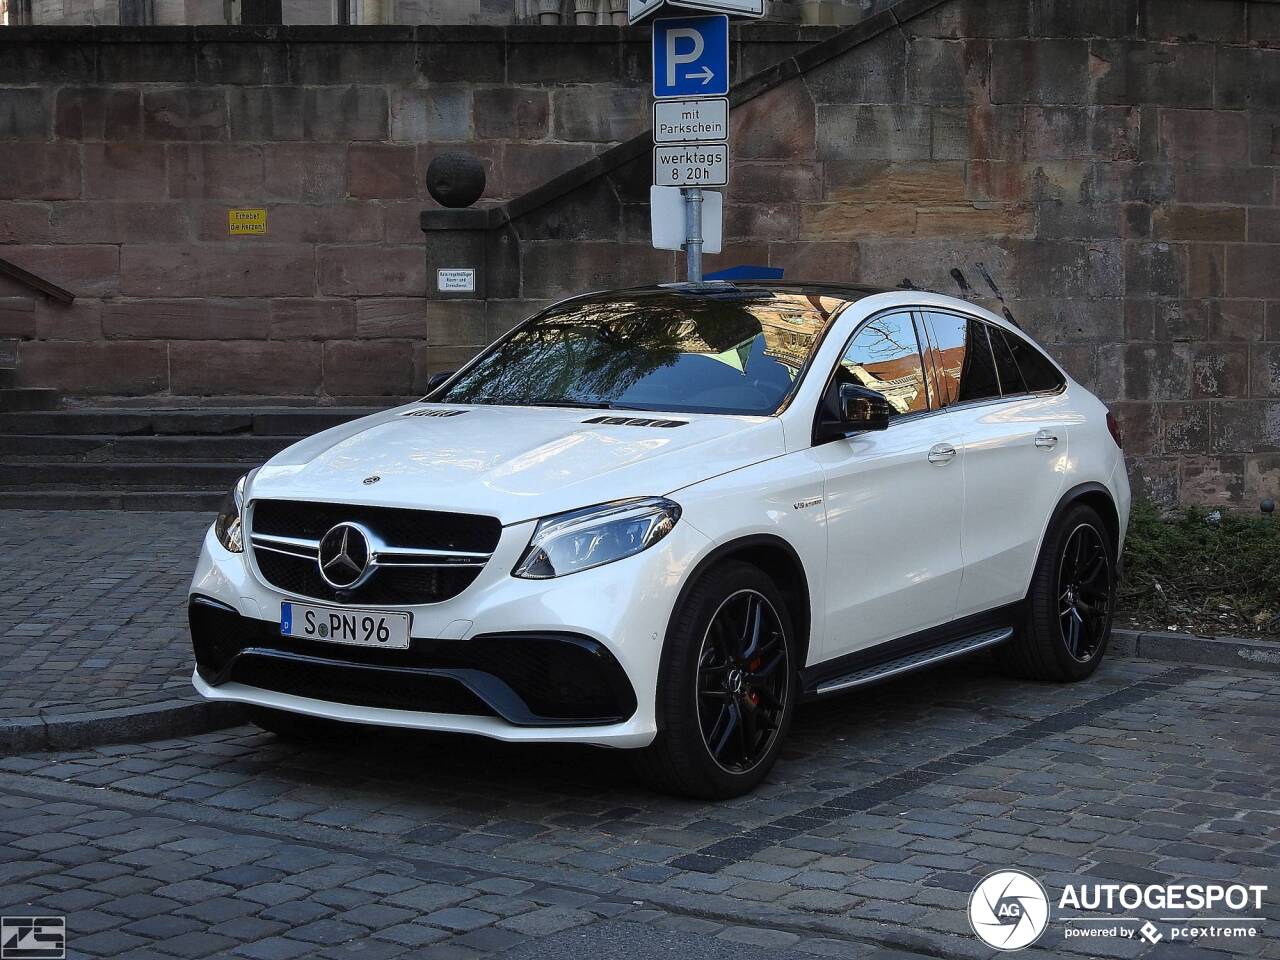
<point>343,555</point>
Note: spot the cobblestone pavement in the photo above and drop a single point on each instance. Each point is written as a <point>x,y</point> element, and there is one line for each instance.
<point>866,841</point>
<point>93,609</point>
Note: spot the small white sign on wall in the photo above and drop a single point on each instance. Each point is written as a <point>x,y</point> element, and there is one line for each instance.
<point>456,280</point>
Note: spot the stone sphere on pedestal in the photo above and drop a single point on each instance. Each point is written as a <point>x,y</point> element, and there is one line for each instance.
<point>455,179</point>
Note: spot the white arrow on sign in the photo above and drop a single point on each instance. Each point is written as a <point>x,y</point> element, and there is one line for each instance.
<point>707,75</point>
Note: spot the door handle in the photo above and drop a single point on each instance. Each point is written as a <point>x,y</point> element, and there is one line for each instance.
<point>941,453</point>
<point>1046,440</point>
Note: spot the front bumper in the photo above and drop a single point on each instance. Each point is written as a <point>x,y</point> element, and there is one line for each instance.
<point>572,659</point>
<point>526,679</point>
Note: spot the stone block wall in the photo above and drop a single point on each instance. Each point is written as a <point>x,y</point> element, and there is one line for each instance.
<point>123,149</point>
<point>1112,165</point>
<point>410,12</point>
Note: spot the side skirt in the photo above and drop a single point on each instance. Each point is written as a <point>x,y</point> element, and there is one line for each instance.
<point>913,652</point>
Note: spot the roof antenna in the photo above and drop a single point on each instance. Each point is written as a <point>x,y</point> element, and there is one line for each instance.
<point>961,282</point>
<point>906,284</point>
<point>1004,307</point>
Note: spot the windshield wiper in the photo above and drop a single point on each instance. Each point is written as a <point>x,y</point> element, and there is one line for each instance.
<point>579,404</point>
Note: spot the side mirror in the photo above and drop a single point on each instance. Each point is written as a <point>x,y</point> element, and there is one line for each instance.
<point>436,379</point>
<point>862,408</point>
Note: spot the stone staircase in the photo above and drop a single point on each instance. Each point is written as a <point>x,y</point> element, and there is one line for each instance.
<point>111,458</point>
<point>21,398</point>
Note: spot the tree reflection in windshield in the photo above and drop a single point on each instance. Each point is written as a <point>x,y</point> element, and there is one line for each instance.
<point>662,351</point>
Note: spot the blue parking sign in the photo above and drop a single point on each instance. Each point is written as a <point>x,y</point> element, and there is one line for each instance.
<point>691,57</point>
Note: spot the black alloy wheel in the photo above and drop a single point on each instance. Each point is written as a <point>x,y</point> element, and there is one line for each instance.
<point>1064,631</point>
<point>744,676</point>
<point>1084,592</point>
<point>726,685</point>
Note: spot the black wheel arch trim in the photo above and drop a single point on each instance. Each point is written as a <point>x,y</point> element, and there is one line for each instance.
<point>803,627</point>
<point>1079,492</point>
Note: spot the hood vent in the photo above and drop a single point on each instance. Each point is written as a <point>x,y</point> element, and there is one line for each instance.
<point>434,413</point>
<point>637,422</point>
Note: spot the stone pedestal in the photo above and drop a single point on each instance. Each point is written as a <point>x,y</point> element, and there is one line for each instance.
<point>476,239</point>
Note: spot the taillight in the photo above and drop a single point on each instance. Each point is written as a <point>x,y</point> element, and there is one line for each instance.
<point>1114,426</point>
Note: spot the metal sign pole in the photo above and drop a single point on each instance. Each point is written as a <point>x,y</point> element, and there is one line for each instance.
<point>693,232</point>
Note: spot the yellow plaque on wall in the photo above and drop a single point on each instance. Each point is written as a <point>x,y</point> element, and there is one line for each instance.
<point>246,222</point>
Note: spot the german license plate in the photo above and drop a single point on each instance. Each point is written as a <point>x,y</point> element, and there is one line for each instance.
<point>362,628</point>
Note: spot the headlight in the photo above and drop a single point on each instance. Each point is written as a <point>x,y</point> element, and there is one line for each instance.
<point>582,539</point>
<point>227,528</point>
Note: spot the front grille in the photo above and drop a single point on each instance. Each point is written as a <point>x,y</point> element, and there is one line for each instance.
<point>419,529</point>
<point>387,586</point>
<point>398,528</point>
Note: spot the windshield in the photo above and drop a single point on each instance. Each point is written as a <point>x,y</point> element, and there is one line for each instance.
<point>737,353</point>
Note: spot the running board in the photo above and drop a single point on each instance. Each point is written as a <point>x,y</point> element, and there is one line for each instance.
<point>914,661</point>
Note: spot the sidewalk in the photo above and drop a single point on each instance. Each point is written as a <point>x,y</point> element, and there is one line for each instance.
<point>93,636</point>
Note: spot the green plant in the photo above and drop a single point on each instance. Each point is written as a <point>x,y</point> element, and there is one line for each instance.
<point>1209,571</point>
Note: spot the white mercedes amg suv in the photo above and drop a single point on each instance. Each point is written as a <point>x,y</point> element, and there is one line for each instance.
<point>660,518</point>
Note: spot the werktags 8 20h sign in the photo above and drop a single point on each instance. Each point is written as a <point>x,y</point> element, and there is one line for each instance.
<point>691,165</point>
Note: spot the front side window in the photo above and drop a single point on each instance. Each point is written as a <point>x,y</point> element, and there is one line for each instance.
<point>884,356</point>
<point>962,359</point>
<point>740,353</point>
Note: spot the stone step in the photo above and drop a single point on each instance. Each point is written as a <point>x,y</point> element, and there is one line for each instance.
<point>114,476</point>
<point>167,500</point>
<point>111,421</point>
<point>29,398</point>
<point>244,449</point>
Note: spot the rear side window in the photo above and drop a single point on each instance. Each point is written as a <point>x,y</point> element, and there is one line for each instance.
<point>1011,382</point>
<point>961,352</point>
<point>1038,372</point>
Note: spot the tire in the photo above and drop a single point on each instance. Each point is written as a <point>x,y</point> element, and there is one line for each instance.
<point>1045,647</point>
<point>299,727</point>
<point>750,670</point>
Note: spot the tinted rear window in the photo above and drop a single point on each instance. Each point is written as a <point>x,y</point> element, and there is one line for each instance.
<point>1011,381</point>
<point>1038,371</point>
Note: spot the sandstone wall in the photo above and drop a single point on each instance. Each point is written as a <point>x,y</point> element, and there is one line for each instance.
<point>122,150</point>
<point>1112,164</point>
<point>408,12</point>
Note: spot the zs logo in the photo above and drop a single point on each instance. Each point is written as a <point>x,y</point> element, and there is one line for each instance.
<point>33,938</point>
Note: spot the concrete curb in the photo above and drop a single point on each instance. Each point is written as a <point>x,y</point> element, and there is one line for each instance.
<point>152,721</point>
<point>1187,648</point>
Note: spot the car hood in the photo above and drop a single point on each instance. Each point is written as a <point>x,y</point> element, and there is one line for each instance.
<point>514,463</point>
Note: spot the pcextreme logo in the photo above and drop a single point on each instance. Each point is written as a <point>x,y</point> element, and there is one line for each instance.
<point>1009,910</point>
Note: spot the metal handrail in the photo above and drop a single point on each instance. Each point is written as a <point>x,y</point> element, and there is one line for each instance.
<point>27,278</point>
